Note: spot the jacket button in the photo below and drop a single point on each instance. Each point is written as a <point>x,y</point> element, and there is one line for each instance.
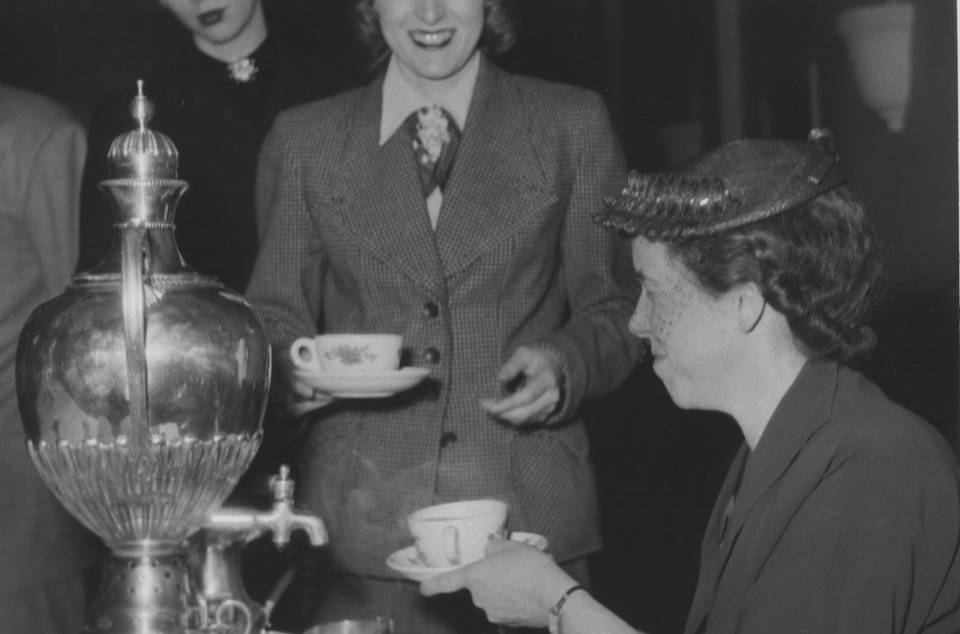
<point>447,439</point>
<point>431,310</point>
<point>432,391</point>
<point>431,355</point>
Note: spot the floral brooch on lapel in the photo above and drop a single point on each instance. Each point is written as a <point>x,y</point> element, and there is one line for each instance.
<point>433,131</point>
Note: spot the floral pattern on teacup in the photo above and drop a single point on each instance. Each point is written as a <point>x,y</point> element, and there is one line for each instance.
<point>349,355</point>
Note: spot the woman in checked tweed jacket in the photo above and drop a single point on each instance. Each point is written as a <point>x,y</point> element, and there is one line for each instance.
<point>515,280</point>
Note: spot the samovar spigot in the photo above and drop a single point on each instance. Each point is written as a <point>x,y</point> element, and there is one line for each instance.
<point>219,548</point>
<point>280,520</point>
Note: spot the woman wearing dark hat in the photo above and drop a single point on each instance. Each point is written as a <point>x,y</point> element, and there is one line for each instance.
<point>841,512</point>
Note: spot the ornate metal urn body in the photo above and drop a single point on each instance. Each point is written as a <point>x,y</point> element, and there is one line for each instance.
<point>142,389</point>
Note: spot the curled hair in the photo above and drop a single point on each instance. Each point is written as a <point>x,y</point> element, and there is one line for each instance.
<point>819,265</point>
<point>498,36</point>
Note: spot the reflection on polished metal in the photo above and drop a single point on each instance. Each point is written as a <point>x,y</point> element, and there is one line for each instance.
<point>218,549</point>
<point>142,390</point>
<point>376,625</point>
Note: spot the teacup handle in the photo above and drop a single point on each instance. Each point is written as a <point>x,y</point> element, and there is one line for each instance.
<point>304,354</point>
<point>451,545</point>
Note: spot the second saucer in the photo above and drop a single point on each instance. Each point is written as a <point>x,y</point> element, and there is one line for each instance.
<point>408,563</point>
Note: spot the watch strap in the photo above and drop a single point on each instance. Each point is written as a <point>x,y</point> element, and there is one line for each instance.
<point>553,617</point>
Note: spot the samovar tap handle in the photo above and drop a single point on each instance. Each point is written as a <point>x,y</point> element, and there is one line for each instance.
<point>222,619</point>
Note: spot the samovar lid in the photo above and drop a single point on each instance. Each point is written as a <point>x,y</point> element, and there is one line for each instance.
<point>142,153</point>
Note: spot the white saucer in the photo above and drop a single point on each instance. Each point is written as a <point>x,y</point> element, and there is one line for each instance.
<point>366,385</point>
<point>407,560</point>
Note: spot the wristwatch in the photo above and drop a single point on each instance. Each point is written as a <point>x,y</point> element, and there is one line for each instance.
<point>553,617</point>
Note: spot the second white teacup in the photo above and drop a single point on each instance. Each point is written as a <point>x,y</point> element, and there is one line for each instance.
<point>457,533</point>
<point>348,353</point>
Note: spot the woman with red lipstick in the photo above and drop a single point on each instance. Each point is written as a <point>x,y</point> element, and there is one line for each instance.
<point>496,277</point>
<point>841,511</point>
<point>216,99</point>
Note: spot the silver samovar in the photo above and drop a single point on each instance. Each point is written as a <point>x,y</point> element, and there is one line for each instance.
<point>142,390</point>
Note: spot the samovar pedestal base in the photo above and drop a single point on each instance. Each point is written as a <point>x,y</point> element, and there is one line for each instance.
<point>145,588</point>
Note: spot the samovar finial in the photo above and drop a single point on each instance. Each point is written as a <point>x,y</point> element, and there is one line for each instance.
<point>142,153</point>
<point>141,108</point>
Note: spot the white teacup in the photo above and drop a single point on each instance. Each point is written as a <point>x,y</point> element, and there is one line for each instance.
<point>457,533</point>
<point>348,353</point>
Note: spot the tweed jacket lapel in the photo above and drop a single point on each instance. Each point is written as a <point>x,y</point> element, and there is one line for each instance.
<point>383,204</point>
<point>496,174</point>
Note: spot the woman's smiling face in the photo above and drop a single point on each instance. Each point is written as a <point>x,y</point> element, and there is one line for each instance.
<point>688,328</point>
<point>432,40</point>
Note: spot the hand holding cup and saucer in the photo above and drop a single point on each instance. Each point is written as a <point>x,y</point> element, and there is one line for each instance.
<point>448,536</point>
<point>353,365</point>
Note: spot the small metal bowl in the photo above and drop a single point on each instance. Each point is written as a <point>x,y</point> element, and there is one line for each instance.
<point>376,625</point>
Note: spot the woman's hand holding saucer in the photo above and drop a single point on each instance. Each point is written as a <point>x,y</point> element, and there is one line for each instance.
<point>304,398</point>
<point>301,396</point>
<point>535,583</point>
<point>536,376</point>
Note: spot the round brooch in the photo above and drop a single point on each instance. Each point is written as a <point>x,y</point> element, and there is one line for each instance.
<point>243,70</point>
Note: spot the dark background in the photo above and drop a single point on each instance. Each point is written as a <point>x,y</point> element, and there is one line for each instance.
<point>658,64</point>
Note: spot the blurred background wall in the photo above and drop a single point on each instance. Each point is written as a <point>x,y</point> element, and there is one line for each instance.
<point>678,75</point>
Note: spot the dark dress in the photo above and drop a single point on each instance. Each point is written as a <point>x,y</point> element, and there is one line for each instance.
<point>846,519</point>
<point>217,124</point>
